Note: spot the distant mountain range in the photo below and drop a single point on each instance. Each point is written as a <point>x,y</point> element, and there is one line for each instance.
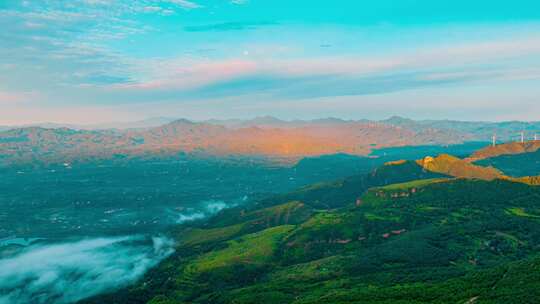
<point>505,131</point>
<point>138,124</point>
<point>266,137</point>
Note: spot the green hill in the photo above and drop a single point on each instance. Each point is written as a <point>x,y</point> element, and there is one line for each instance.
<point>453,166</point>
<point>398,235</point>
<point>337,194</point>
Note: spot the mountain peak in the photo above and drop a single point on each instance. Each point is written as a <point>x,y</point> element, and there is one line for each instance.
<point>266,119</point>
<point>456,167</point>
<point>181,121</point>
<point>397,120</point>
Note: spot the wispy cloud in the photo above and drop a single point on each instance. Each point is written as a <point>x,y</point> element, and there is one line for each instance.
<point>239,2</point>
<point>186,74</point>
<point>338,76</point>
<point>204,210</point>
<point>7,97</point>
<point>185,4</point>
<point>228,26</point>
<point>59,41</point>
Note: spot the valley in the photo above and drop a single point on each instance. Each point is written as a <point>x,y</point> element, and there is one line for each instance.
<point>389,223</point>
<point>399,232</point>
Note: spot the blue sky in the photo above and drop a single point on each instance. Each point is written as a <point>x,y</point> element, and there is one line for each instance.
<point>86,61</point>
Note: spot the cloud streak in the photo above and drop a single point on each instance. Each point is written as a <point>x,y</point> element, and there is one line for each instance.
<point>185,4</point>
<point>17,98</point>
<point>239,2</point>
<point>204,210</point>
<point>228,26</point>
<point>338,76</point>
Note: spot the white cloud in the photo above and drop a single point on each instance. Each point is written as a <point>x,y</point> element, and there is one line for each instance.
<point>453,63</point>
<point>16,98</point>
<point>185,4</point>
<point>66,273</point>
<point>152,8</point>
<point>239,2</point>
<point>204,210</point>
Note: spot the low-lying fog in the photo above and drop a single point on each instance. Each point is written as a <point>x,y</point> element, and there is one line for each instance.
<point>68,272</point>
<point>205,209</point>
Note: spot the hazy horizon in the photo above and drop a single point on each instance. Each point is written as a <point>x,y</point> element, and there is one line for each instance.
<point>165,119</point>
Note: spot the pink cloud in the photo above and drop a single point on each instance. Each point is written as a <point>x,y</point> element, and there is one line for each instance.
<point>19,97</point>
<point>438,62</point>
<point>178,74</point>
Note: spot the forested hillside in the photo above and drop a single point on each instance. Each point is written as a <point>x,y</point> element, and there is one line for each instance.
<point>401,234</point>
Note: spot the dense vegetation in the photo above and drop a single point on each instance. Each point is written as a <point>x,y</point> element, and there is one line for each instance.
<point>142,196</point>
<point>145,195</point>
<point>398,235</point>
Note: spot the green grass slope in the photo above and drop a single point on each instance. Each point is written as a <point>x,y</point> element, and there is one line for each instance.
<point>340,193</point>
<point>453,166</point>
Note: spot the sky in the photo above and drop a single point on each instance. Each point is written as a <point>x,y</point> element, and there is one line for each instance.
<point>92,61</point>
